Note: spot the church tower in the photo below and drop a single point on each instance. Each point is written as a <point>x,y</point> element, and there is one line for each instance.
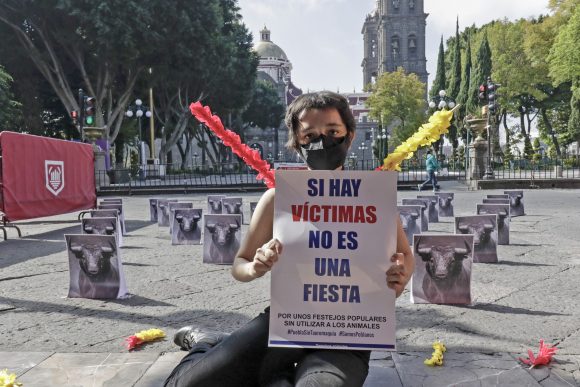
<point>394,36</point>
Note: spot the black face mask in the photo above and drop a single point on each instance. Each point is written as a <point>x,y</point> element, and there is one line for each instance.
<point>325,152</point>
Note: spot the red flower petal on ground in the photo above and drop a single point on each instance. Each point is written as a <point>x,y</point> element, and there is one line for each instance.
<point>544,356</point>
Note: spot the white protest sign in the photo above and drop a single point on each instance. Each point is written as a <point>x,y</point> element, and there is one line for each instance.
<point>338,230</point>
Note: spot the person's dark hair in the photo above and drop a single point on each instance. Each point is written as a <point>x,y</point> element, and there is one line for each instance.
<point>316,100</point>
<point>428,151</point>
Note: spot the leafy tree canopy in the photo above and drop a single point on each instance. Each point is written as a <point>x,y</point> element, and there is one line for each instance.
<point>397,100</point>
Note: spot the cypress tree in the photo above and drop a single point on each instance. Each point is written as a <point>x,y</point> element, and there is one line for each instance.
<point>465,78</point>
<point>439,82</point>
<point>482,70</point>
<point>455,78</point>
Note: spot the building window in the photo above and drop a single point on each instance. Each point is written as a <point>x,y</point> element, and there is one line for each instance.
<point>395,47</point>
<point>412,42</point>
<point>411,4</point>
<point>368,136</point>
<point>396,4</point>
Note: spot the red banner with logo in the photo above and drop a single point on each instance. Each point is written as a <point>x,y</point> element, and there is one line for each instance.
<point>42,176</point>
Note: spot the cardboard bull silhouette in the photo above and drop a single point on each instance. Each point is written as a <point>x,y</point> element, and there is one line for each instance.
<point>186,229</point>
<point>516,202</point>
<point>95,267</point>
<point>214,204</point>
<point>102,226</point>
<point>110,213</point>
<point>433,211</point>
<point>485,235</point>
<point>445,203</point>
<point>172,207</point>
<point>424,203</point>
<point>233,205</point>
<point>163,212</point>
<point>222,237</point>
<point>153,210</point>
<point>442,269</point>
<point>119,207</point>
<point>410,220</point>
<point>503,220</point>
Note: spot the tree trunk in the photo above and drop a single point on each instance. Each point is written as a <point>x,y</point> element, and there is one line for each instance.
<point>551,131</point>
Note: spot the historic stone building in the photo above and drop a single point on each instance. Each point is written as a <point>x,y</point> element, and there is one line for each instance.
<point>394,36</point>
<point>273,67</point>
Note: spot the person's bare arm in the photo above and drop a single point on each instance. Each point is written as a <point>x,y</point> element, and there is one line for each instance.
<point>400,273</point>
<point>259,251</point>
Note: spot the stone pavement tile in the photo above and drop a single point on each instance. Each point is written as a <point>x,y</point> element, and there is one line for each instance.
<point>20,362</point>
<point>382,371</point>
<point>160,370</point>
<point>462,369</point>
<point>564,370</point>
<point>89,369</point>
<point>382,376</point>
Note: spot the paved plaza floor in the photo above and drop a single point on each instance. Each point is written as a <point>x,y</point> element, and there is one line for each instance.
<point>533,293</point>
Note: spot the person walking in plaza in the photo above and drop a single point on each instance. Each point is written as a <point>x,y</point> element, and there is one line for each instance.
<point>432,167</point>
<point>321,130</point>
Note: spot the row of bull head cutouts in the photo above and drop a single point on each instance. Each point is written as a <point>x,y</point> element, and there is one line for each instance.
<point>444,262</point>
<point>219,229</point>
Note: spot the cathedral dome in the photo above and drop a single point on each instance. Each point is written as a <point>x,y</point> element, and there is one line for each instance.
<point>267,49</point>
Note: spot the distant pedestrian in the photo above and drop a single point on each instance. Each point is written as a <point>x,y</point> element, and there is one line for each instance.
<point>432,166</point>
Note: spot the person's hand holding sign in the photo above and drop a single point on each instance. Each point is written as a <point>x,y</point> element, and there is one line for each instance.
<point>399,274</point>
<point>396,275</point>
<point>265,258</point>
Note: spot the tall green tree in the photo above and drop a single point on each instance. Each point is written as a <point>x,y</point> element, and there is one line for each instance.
<point>455,73</point>
<point>265,109</point>
<point>564,61</point>
<point>396,100</point>
<point>439,83</point>
<point>10,113</point>
<point>212,62</point>
<point>464,88</point>
<point>103,42</point>
<point>482,70</point>
<point>455,85</point>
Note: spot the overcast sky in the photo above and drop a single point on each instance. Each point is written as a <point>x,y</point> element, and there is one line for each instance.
<point>323,40</point>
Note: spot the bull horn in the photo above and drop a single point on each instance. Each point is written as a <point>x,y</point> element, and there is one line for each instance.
<point>109,228</point>
<point>460,251</point>
<point>234,226</point>
<point>502,213</point>
<point>76,248</point>
<point>415,215</point>
<point>463,227</point>
<point>488,227</point>
<point>107,249</point>
<point>89,229</point>
<point>424,250</point>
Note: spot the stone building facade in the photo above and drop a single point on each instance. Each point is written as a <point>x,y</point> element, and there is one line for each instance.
<point>394,36</point>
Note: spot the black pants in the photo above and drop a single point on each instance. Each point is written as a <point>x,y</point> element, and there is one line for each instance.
<point>244,359</point>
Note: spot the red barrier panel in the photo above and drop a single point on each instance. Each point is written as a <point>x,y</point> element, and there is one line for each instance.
<point>41,176</point>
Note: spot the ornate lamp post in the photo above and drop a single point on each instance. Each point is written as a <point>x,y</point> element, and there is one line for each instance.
<point>138,110</point>
<point>383,145</point>
<point>352,158</point>
<point>363,147</point>
<point>441,102</point>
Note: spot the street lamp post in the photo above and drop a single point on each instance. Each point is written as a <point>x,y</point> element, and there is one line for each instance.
<point>353,160</point>
<point>138,110</point>
<point>383,144</point>
<point>363,147</point>
<point>441,102</point>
